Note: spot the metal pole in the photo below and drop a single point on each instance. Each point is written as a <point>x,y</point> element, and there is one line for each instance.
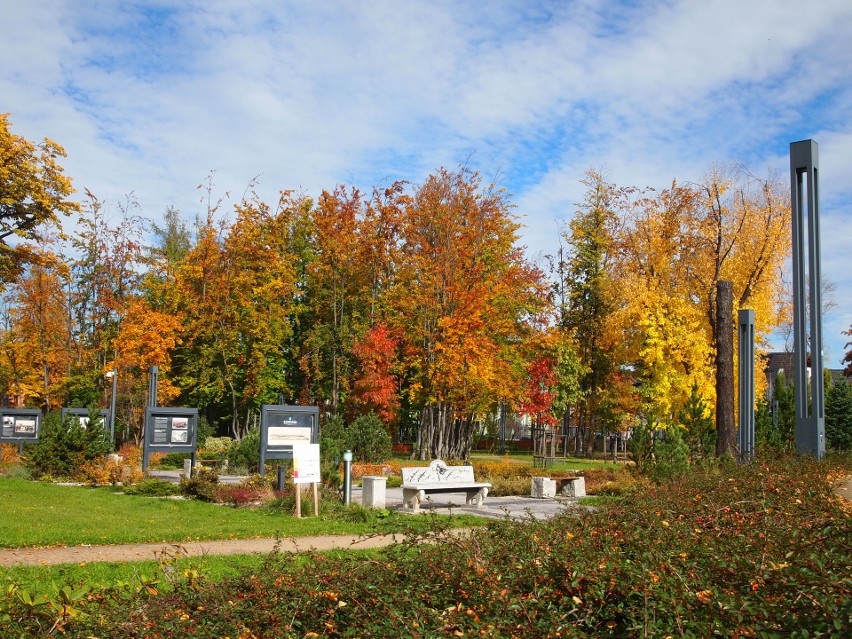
<point>502,428</point>
<point>347,477</point>
<point>745,431</point>
<point>153,382</point>
<point>807,302</point>
<point>112,407</point>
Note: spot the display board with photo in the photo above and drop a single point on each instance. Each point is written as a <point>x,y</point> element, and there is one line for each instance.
<point>19,425</point>
<point>169,430</point>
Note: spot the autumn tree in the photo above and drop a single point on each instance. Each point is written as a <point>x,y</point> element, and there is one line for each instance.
<point>336,306</point>
<point>36,339</point>
<point>673,248</point>
<point>107,262</point>
<point>33,192</point>
<point>661,314</point>
<point>234,292</point>
<point>741,233</point>
<point>462,295</point>
<point>591,299</point>
<point>377,385</point>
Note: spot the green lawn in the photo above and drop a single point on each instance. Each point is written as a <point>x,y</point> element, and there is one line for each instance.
<point>41,514</point>
<point>561,463</point>
<point>107,574</point>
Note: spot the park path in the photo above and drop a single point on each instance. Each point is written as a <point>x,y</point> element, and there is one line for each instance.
<point>141,552</point>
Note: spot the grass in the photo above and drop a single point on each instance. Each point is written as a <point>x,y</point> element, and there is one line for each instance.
<point>598,500</point>
<point>561,463</point>
<point>108,574</point>
<point>40,514</point>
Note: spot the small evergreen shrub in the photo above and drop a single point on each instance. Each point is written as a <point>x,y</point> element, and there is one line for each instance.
<point>245,453</point>
<point>838,416</point>
<point>369,439</point>
<point>169,461</point>
<point>671,456</point>
<point>153,488</point>
<point>64,448</point>
<point>333,440</point>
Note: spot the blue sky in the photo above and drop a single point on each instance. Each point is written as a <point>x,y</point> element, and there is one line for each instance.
<point>149,97</point>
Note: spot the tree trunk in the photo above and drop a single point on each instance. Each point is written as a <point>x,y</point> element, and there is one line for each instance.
<point>442,435</point>
<point>726,433</point>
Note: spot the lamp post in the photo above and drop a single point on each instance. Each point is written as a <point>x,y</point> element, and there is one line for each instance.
<point>114,377</point>
<point>347,477</point>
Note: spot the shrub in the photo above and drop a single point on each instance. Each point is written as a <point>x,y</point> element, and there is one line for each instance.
<point>333,440</point>
<point>369,439</point>
<point>217,446</point>
<point>153,488</point>
<point>64,448</point>
<point>671,456</point>
<point>838,416</point>
<point>508,486</point>
<point>747,550</point>
<point>360,469</point>
<point>9,453</point>
<point>242,495</point>
<point>202,485</point>
<point>490,470</point>
<point>641,445</point>
<point>246,452</point>
<point>172,460</point>
<point>696,418</point>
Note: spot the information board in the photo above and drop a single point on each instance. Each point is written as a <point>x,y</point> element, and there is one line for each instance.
<point>169,430</point>
<point>282,427</point>
<point>306,464</point>
<point>19,425</point>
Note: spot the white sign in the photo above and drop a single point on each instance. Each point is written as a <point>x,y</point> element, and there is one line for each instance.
<point>306,464</point>
<point>282,436</point>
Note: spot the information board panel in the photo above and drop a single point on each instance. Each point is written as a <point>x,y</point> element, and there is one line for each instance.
<point>19,425</point>
<point>169,430</point>
<point>283,427</point>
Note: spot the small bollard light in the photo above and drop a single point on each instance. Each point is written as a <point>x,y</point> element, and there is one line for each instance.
<point>347,477</point>
<point>280,479</point>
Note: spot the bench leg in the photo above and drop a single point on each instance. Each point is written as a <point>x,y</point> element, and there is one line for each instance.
<point>477,498</point>
<point>411,498</point>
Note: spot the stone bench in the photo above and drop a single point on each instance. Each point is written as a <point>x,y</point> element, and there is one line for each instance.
<point>420,481</point>
<point>549,487</point>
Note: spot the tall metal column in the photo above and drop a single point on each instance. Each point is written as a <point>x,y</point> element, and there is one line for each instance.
<point>807,299</point>
<point>745,430</point>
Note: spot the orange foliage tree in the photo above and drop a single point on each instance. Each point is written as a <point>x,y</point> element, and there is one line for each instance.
<point>462,295</point>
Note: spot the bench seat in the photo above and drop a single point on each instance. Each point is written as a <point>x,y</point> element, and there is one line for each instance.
<point>438,478</point>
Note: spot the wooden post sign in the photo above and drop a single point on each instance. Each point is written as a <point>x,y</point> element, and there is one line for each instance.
<point>306,470</point>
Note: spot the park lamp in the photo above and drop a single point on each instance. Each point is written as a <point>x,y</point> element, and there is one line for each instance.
<point>113,375</point>
<point>347,477</point>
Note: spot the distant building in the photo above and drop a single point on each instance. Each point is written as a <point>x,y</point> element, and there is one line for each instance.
<point>778,363</point>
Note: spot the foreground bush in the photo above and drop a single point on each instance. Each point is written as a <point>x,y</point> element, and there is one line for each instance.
<point>748,551</point>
